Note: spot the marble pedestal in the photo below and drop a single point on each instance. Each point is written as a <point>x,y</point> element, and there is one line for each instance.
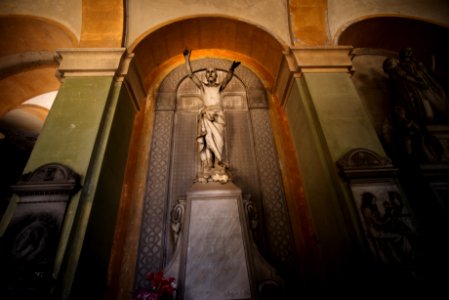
<point>215,257</point>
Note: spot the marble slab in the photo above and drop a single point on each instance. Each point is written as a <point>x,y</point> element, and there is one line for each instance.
<point>215,262</point>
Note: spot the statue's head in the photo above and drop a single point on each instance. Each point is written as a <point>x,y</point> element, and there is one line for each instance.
<point>211,75</point>
<point>390,64</point>
<point>405,53</point>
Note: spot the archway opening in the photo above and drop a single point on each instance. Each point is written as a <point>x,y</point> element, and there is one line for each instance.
<point>218,37</point>
<point>158,54</point>
<point>28,57</point>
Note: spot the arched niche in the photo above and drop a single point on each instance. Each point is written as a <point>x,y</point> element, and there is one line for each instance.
<point>375,39</point>
<point>250,153</point>
<point>28,61</point>
<point>212,36</point>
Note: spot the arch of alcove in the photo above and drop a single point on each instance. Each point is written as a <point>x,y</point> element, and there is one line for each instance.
<point>250,153</point>
<point>387,34</point>
<point>378,37</point>
<point>27,57</point>
<point>208,36</point>
<point>156,56</point>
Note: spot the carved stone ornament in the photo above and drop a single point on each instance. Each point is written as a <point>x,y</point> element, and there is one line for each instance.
<point>52,177</point>
<point>29,245</point>
<point>216,256</point>
<point>383,209</point>
<point>361,162</point>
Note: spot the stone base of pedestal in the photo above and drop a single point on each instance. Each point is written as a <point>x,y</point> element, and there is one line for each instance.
<point>215,257</point>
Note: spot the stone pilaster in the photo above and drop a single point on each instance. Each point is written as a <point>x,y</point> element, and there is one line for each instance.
<point>88,129</point>
<point>327,119</point>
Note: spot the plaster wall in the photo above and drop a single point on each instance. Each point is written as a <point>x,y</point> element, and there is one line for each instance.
<point>343,13</point>
<point>98,241</point>
<point>67,12</point>
<point>74,120</point>
<point>372,87</point>
<point>318,186</point>
<point>270,15</point>
<point>342,115</point>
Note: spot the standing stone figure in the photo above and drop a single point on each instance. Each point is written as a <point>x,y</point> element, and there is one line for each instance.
<point>211,122</point>
<point>389,235</point>
<point>419,101</point>
<point>418,92</point>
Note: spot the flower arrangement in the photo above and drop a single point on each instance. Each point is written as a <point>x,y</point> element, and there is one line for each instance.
<point>159,288</point>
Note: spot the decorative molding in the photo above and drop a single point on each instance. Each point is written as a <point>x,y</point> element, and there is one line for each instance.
<point>103,62</point>
<point>128,73</point>
<point>52,178</point>
<point>373,52</point>
<point>32,239</point>
<point>177,218</point>
<point>78,62</point>
<point>360,162</point>
<point>320,59</point>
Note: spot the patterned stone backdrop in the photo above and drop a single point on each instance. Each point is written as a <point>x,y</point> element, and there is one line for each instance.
<point>250,153</point>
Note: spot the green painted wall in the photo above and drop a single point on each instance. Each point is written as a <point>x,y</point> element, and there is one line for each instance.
<point>70,130</point>
<point>86,113</point>
<point>92,269</point>
<point>318,186</point>
<point>327,119</point>
<point>341,113</point>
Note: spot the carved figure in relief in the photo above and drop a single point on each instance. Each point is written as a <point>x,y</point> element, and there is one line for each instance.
<point>391,233</point>
<point>211,122</point>
<point>418,102</point>
<point>416,90</point>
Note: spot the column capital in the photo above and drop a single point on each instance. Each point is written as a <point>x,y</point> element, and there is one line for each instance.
<point>80,62</point>
<point>114,62</point>
<point>320,59</point>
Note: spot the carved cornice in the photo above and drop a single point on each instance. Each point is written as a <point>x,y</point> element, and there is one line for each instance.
<point>79,62</point>
<point>52,178</point>
<point>319,59</point>
<point>128,72</point>
<point>362,163</point>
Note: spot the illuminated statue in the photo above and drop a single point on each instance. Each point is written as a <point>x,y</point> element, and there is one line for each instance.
<point>211,122</point>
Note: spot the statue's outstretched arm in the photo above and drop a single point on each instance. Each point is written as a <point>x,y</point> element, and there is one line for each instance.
<point>228,77</point>
<point>192,76</point>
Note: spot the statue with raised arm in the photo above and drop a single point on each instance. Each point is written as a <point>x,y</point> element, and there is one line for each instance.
<point>211,122</point>
<point>418,101</point>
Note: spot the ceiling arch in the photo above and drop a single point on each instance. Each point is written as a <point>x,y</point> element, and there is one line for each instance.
<point>26,50</point>
<point>392,33</point>
<point>22,33</point>
<point>209,37</point>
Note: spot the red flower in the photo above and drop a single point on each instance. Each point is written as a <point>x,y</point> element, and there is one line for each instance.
<point>159,287</point>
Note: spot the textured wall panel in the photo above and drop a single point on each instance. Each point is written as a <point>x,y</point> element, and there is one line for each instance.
<point>275,210</point>
<point>249,150</point>
<point>150,255</point>
<point>183,166</point>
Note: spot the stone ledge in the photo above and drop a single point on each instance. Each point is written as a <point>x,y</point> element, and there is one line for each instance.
<point>89,61</point>
<point>320,59</point>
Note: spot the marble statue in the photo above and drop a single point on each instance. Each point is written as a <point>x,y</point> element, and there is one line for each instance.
<point>211,122</point>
